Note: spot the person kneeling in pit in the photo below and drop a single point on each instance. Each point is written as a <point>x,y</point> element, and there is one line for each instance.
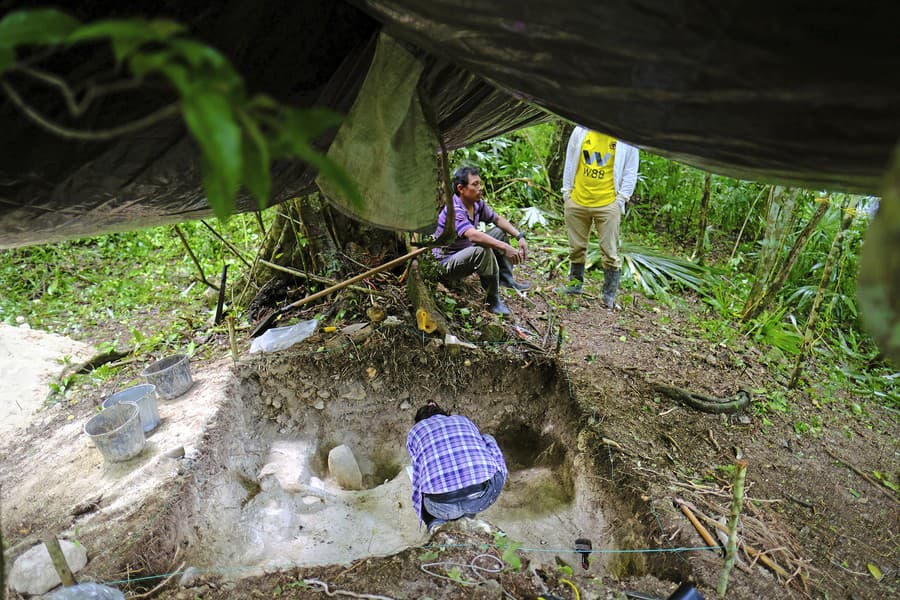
<point>489,254</point>
<point>456,470</point>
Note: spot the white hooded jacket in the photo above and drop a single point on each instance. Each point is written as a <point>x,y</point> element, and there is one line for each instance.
<point>625,166</point>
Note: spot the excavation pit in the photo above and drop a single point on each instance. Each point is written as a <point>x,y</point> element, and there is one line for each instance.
<point>263,498</point>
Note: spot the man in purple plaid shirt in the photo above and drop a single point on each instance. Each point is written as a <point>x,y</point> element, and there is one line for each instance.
<point>456,470</point>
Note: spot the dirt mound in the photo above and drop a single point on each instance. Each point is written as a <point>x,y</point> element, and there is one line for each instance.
<point>595,451</point>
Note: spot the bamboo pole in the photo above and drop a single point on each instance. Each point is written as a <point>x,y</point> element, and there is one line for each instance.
<point>702,218</point>
<point>190,252</point>
<point>809,332</point>
<point>737,503</point>
<point>59,561</point>
<point>704,533</point>
<point>753,553</point>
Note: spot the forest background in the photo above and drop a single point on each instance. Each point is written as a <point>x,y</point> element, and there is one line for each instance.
<point>770,263</point>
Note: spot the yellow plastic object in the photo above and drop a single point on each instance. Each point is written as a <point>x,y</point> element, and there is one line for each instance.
<point>574,588</point>
<point>424,321</point>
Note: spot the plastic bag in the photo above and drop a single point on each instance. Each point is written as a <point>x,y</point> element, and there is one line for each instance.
<point>86,591</point>
<point>280,338</point>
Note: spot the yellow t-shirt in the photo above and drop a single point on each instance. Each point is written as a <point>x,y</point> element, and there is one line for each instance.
<point>594,185</point>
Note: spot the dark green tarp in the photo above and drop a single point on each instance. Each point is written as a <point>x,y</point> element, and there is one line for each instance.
<point>797,92</point>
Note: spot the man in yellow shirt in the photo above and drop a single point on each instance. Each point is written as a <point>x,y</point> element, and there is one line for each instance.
<point>599,178</point>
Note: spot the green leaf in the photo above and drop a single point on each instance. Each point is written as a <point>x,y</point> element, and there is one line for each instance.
<point>854,493</point>
<point>163,62</point>
<point>211,121</point>
<point>45,26</point>
<point>164,28</point>
<point>875,571</point>
<point>884,479</point>
<point>135,29</point>
<point>126,35</point>
<point>456,575</point>
<point>428,556</point>
<point>255,160</point>
<point>7,58</point>
<point>310,123</point>
<point>199,54</point>
<point>511,558</point>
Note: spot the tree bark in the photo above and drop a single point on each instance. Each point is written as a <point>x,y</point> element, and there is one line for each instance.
<point>780,218</point>
<point>309,235</point>
<point>556,158</point>
<point>756,305</point>
<point>702,217</point>
<point>809,332</point>
<point>428,318</point>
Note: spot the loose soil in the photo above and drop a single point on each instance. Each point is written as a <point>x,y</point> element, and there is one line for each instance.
<point>631,451</point>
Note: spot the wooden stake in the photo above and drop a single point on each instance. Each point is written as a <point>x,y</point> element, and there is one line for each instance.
<point>59,561</point>
<point>737,503</point>
<point>704,533</point>
<point>752,552</point>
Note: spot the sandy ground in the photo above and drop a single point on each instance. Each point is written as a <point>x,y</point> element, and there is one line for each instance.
<point>55,480</point>
<point>51,471</point>
<point>29,361</point>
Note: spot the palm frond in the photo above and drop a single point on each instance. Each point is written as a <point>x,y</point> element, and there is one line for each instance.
<point>656,272</point>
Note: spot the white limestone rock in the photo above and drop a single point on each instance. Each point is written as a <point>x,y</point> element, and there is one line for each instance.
<point>344,469</point>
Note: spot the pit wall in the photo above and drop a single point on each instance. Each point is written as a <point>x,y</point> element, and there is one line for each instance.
<point>365,398</point>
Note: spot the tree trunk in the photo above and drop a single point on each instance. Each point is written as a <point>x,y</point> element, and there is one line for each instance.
<point>737,242</point>
<point>756,305</point>
<point>310,236</point>
<point>808,334</point>
<point>556,158</point>
<point>780,218</point>
<point>702,220</point>
<point>428,318</point>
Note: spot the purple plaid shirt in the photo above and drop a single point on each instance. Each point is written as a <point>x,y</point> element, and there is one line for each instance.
<point>448,454</point>
<point>482,213</point>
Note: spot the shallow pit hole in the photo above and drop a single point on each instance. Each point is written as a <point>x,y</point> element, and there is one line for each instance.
<point>263,498</point>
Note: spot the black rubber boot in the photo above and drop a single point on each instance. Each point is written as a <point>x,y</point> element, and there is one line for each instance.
<point>611,287</point>
<point>575,284</point>
<point>506,275</point>
<point>492,299</point>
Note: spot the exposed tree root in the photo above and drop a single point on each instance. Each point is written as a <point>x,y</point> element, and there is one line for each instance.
<point>729,404</point>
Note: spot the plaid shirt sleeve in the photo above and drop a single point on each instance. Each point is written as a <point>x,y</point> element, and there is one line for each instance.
<point>495,451</point>
<point>449,453</point>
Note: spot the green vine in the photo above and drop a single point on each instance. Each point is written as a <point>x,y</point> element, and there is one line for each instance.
<point>239,135</point>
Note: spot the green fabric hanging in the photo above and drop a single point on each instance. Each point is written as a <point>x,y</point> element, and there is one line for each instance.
<point>387,147</point>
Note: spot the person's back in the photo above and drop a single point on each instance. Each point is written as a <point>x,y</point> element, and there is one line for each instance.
<point>456,470</point>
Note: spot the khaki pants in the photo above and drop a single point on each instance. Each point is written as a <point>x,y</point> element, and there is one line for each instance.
<point>578,227</point>
<point>476,259</point>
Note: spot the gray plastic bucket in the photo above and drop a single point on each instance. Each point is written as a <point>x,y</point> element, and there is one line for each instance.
<point>170,375</point>
<point>117,432</point>
<point>144,396</point>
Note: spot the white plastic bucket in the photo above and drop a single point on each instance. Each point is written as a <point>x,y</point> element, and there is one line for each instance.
<point>170,375</point>
<point>144,396</point>
<point>117,432</point>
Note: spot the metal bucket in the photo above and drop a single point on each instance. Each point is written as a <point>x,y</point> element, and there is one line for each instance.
<point>170,375</point>
<point>117,432</point>
<point>144,396</point>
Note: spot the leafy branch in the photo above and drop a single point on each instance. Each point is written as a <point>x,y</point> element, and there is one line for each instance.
<point>239,135</point>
